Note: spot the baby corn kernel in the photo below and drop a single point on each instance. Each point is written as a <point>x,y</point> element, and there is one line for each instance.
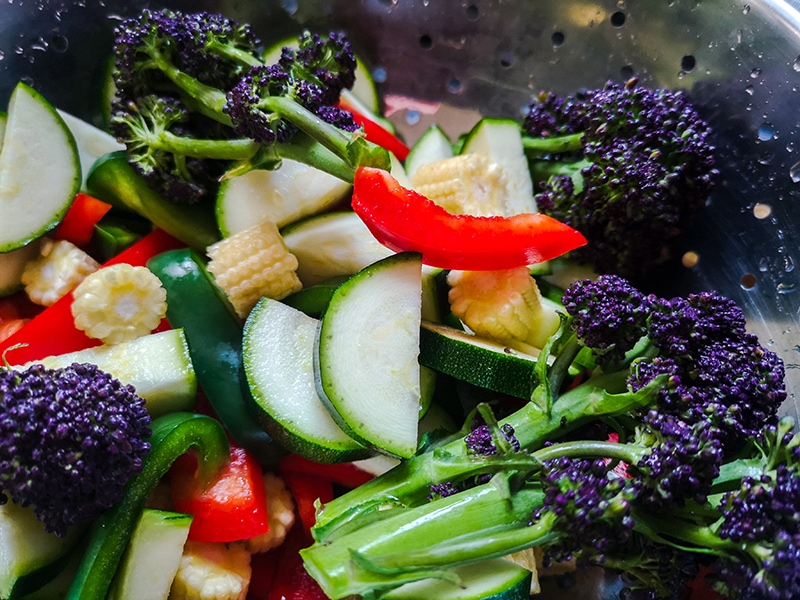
<point>119,303</point>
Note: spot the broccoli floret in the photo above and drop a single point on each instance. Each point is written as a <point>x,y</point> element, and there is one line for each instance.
<point>593,510</point>
<point>609,315</point>
<point>196,103</point>
<point>70,439</point>
<point>627,166</point>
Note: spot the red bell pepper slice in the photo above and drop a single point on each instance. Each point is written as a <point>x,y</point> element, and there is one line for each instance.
<point>233,508</point>
<point>376,133</point>
<point>306,490</point>
<point>53,330</point>
<point>404,220</point>
<point>77,226</point>
<point>344,474</point>
<point>292,581</point>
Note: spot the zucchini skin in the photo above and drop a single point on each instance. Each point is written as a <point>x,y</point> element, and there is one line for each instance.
<point>214,335</point>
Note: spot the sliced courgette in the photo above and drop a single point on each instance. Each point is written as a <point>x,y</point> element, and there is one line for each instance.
<point>367,368</point>
<point>40,172</point>
<point>331,245</point>
<point>278,347</point>
<point>92,143</point>
<point>495,579</point>
<point>152,556</point>
<point>284,195</point>
<point>432,145</point>
<point>158,366</point>
<point>501,141</point>
<point>29,556</point>
<point>476,360</point>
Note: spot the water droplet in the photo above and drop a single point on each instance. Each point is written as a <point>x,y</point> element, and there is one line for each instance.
<point>749,90</point>
<point>413,117</point>
<point>379,74</point>
<point>746,9</point>
<point>794,172</point>
<point>59,43</point>
<point>290,6</point>
<point>765,158</point>
<point>790,147</point>
<point>786,288</point>
<point>454,86</point>
<point>755,73</point>
<point>765,132</point>
<point>796,64</point>
<point>2,55</point>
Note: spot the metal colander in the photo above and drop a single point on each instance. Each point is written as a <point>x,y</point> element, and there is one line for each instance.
<point>450,60</point>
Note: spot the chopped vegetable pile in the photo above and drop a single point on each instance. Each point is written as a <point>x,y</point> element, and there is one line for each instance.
<point>263,349</point>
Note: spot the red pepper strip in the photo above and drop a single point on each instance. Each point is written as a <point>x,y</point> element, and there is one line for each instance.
<point>264,567</point>
<point>233,508</point>
<point>53,330</point>
<point>292,581</point>
<point>345,474</point>
<point>78,224</point>
<point>404,220</point>
<point>376,133</point>
<point>698,589</point>
<point>306,490</point>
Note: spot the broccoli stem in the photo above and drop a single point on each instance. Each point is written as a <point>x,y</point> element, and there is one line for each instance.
<point>441,533</point>
<point>539,146</point>
<point>209,99</point>
<point>353,149</point>
<point>235,149</point>
<point>408,484</point>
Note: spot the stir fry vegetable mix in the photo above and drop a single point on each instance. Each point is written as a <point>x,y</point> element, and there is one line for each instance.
<point>601,423</point>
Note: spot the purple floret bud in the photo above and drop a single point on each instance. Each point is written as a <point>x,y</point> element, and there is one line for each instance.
<point>70,440</point>
<point>682,464</point>
<point>609,314</point>
<point>593,509</point>
<point>480,443</point>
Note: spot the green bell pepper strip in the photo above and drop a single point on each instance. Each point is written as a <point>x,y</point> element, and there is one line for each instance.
<point>113,180</point>
<point>172,435</point>
<point>214,335</point>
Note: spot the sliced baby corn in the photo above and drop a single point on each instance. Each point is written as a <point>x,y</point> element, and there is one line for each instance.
<point>119,303</point>
<point>251,264</point>
<point>212,571</point>
<point>505,306</point>
<point>465,184</point>
<point>59,267</point>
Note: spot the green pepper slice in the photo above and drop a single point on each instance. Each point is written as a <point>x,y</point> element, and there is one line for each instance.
<point>214,335</point>
<point>172,436</point>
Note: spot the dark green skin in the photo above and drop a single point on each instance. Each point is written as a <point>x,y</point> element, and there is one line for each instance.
<point>113,180</point>
<point>172,436</point>
<point>214,335</point>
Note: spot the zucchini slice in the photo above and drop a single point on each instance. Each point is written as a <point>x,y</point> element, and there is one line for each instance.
<point>278,347</point>
<point>476,360</point>
<point>495,579</point>
<point>367,368</point>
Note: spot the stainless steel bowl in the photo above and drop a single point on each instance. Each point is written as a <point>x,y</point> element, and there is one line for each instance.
<point>451,60</point>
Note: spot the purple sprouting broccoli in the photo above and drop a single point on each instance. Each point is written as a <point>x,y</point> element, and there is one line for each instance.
<point>592,511</point>
<point>609,315</point>
<point>626,165</point>
<point>196,103</point>
<point>70,439</point>
<point>716,370</point>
